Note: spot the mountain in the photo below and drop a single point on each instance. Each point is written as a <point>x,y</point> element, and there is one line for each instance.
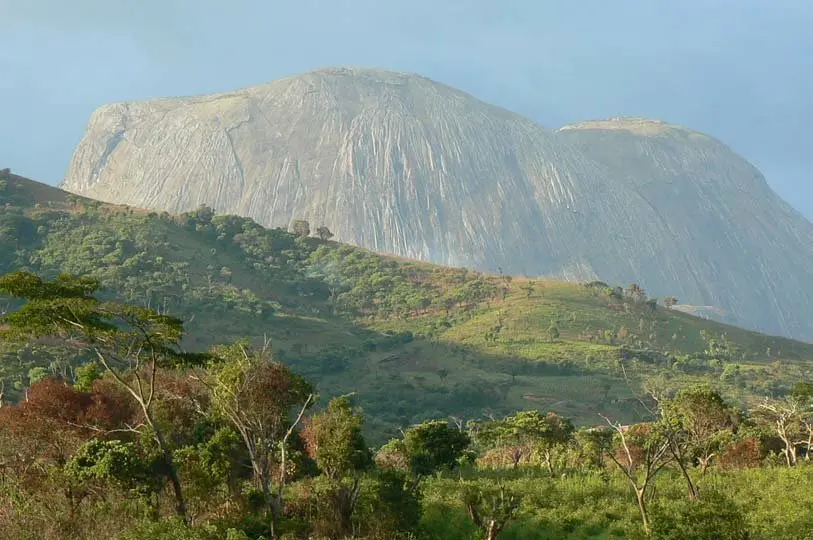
<point>400,164</point>
<point>414,340</point>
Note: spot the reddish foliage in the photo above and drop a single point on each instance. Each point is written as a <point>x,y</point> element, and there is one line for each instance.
<point>54,421</point>
<point>180,400</point>
<point>112,406</point>
<point>747,453</point>
<point>308,436</point>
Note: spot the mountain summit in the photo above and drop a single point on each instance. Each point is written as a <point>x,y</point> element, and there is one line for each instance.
<point>398,163</point>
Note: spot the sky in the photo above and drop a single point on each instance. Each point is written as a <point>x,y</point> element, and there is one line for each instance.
<point>739,70</point>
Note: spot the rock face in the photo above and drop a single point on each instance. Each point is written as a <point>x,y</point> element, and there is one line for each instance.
<point>401,164</point>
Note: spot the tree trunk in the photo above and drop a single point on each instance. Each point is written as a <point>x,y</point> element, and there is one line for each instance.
<point>704,464</point>
<point>639,497</point>
<point>790,452</point>
<point>691,488</point>
<point>492,531</point>
<point>180,503</point>
<point>549,463</point>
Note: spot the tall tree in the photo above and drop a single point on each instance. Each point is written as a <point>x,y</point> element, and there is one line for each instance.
<point>786,419</point>
<point>132,343</point>
<point>333,439</point>
<point>265,402</point>
<point>702,422</point>
<point>640,452</point>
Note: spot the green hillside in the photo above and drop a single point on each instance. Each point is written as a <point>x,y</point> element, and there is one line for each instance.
<point>415,341</point>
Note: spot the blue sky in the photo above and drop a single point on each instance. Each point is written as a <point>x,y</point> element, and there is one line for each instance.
<point>741,70</point>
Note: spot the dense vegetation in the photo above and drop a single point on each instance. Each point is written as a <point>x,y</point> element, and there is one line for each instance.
<point>204,367</point>
<point>150,441</point>
<point>415,341</point>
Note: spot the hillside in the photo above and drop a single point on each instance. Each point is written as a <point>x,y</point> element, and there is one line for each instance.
<point>400,164</point>
<point>414,340</point>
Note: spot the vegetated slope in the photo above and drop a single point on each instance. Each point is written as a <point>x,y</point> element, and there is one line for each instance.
<point>413,340</point>
<point>400,164</point>
<point>769,238</point>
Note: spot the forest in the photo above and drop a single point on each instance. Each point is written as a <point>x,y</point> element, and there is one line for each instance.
<point>155,442</point>
<point>199,376</point>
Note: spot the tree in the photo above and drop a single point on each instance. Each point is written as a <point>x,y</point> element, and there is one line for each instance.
<point>333,440</point>
<point>432,446</point>
<point>636,292</point>
<point>525,432</point>
<point>553,331</point>
<point>640,452</point>
<point>301,228</point>
<point>786,419</point>
<point>395,509</point>
<point>593,444</point>
<point>324,233</point>
<point>257,395</point>
<point>130,342</point>
<point>556,431</point>
<point>116,462</point>
<point>803,393</point>
<point>490,508</point>
<point>702,422</point>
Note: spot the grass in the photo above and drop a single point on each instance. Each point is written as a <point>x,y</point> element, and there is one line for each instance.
<point>477,344</point>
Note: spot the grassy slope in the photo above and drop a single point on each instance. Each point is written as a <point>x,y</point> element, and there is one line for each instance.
<point>481,343</point>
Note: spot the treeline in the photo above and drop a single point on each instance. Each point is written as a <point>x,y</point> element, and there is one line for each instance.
<point>146,440</point>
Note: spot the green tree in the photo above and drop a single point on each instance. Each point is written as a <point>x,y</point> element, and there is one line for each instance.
<point>256,394</point>
<point>300,228</point>
<point>524,433</point>
<point>803,394</point>
<point>432,446</point>
<point>333,440</point>
<point>116,334</point>
<point>86,374</point>
<point>36,374</point>
<point>116,462</point>
<point>553,331</point>
<point>593,443</point>
<point>324,233</point>
<point>701,422</point>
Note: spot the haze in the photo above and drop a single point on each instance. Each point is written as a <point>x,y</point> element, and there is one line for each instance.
<point>737,69</point>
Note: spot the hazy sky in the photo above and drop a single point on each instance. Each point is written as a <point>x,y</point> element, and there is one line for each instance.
<point>741,70</point>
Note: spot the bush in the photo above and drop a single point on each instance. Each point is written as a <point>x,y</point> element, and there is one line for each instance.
<point>175,529</point>
<point>712,517</point>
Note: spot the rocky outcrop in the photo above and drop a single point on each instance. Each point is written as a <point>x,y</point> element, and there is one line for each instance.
<point>401,164</point>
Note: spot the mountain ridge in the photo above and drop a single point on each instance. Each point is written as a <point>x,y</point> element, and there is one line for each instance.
<point>398,163</point>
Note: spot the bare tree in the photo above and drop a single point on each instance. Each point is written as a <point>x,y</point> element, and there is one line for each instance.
<point>786,419</point>
<point>640,453</point>
<point>490,509</point>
